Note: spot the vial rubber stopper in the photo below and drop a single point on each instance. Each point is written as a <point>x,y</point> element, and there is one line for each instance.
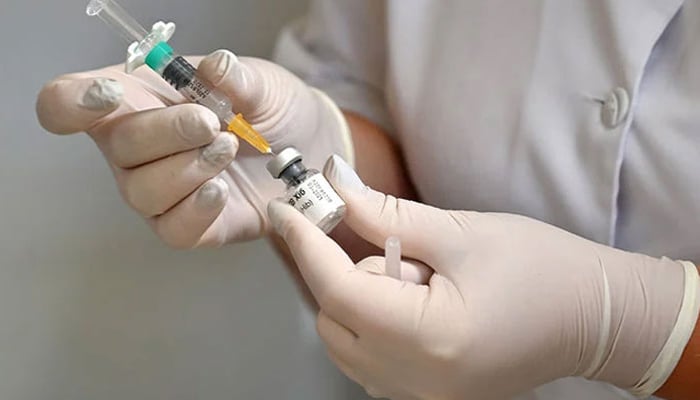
<point>282,161</point>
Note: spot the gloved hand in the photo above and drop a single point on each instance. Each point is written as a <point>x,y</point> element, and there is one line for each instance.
<point>174,165</point>
<point>513,303</point>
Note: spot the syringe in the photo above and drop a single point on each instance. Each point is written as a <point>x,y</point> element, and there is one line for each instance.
<point>152,49</point>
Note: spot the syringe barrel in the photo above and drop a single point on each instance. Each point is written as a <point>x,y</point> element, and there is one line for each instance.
<point>114,15</point>
<point>201,92</point>
<point>183,77</point>
<point>152,49</point>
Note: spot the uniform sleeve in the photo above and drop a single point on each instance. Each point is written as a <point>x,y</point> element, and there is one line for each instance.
<point>340,48</point>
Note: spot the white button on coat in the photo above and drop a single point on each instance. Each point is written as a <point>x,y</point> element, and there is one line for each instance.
<point>615,108</point>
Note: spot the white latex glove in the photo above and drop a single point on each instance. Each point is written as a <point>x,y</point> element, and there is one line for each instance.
<point>513,303</point>
<point>192,181</point>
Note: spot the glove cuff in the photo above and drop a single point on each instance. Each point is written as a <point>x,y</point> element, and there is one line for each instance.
<point>667,360</point>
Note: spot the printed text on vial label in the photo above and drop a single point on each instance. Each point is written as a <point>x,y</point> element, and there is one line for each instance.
<point>315,198</point>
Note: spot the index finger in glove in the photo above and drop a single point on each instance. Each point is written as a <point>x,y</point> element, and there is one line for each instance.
<point>140,137</point>
<point>426,233</point>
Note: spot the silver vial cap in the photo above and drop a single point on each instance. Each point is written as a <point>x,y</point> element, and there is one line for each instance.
<point>282,160</point>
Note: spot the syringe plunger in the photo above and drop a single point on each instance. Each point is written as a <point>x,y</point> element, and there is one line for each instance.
<point>114,15</point>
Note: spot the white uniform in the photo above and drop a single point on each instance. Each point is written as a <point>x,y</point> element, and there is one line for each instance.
<point>583,114</point>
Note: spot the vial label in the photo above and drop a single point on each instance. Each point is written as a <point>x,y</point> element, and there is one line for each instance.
<point>315,198</point>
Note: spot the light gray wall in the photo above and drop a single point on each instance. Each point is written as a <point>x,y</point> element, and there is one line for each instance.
<point>92,305</point>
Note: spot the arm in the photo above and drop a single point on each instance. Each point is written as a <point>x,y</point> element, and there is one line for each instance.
<point>379,162</point>
<point>513,303</point>
<point>684,383</point>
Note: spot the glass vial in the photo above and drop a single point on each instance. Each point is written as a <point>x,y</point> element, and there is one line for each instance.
<point>307,190</point>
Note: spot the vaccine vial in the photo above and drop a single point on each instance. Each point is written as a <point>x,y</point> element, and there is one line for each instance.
<point>307,190</point>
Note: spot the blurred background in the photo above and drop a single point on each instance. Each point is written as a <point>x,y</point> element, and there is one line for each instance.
<point>92,305</point>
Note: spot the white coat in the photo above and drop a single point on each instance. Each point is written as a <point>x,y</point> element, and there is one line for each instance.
<point>583,114</point>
